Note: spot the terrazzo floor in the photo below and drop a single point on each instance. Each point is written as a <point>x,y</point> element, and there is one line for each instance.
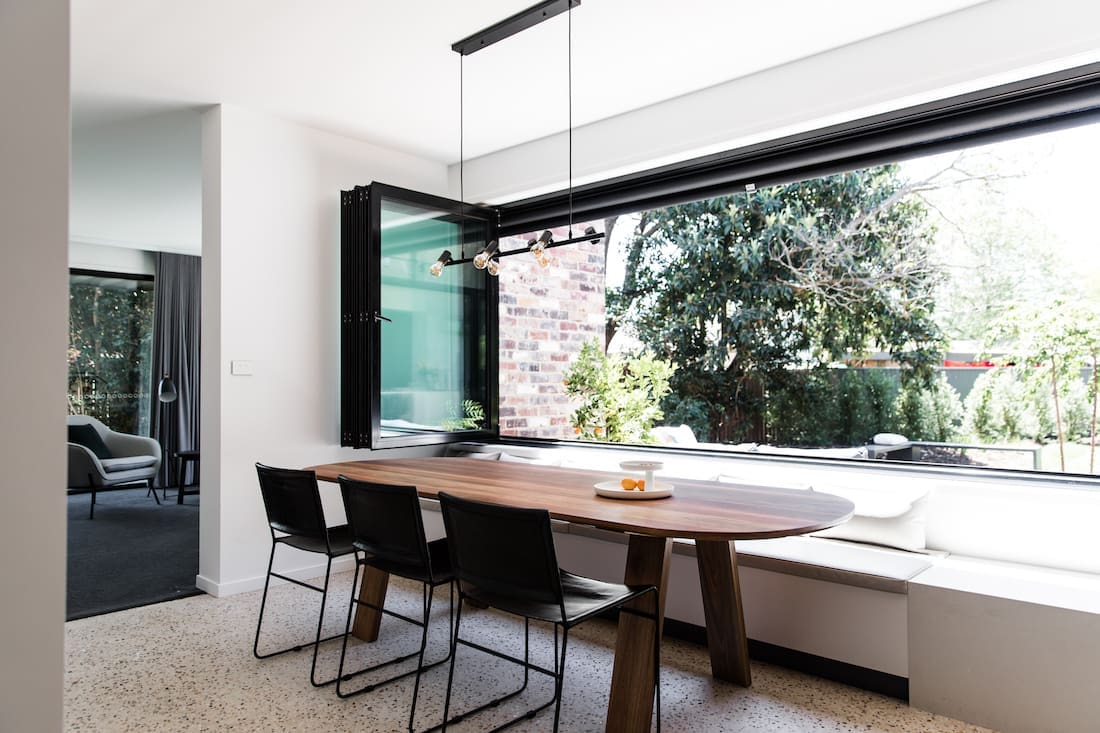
<point>187,665</point>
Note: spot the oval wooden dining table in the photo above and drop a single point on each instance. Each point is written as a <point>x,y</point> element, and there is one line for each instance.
<point>710,513</point>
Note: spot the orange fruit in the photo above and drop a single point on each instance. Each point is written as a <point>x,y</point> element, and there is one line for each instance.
<point>641,484</point>
<point>629,484</point>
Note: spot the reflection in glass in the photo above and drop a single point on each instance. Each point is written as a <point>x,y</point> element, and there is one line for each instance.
<point>432,353</point>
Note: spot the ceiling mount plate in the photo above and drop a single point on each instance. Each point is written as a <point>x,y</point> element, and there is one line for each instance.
<point>512,25</point>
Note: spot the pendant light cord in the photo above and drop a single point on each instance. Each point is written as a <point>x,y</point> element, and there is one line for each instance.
<point>569,91</point>
<point>461,156</point>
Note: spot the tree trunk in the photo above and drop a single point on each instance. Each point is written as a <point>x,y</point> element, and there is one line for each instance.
<point>611,326</point>
<point>1092,432</point>
<point>1058,413</point>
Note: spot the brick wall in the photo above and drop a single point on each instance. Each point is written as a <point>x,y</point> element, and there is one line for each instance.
<point>546,314</point>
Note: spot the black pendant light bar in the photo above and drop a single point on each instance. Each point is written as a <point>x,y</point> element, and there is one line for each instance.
<point>488,258</point>
<point>512,25</point>
<point>590,235</point>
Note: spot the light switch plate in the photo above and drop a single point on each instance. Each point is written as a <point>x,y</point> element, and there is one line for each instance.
<point>240,367</point>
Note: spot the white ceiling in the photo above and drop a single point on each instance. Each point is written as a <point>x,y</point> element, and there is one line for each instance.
<point>385,72</point>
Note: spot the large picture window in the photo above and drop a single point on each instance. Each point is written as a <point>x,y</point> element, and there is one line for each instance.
<point>111,348</point>
<point>917,287</point>
<point>940,309</point>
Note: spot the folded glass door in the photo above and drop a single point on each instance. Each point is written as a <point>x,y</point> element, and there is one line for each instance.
<point>419,349</point>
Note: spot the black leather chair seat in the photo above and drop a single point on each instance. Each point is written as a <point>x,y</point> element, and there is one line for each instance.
<point>339,540</point>
<point>440,571</point>
<point>583,597</point>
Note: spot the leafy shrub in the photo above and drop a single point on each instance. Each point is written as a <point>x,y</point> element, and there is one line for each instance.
<point>620,396</point>
<point>1001,408</point>
<point>929,412</point>
<point>690,411</point>
<point>1016,403</point>
<point>867,399</point>
<point>805,411</point>
<point>473,416</point>
<point>1074,403</point>
<point>826,406</point>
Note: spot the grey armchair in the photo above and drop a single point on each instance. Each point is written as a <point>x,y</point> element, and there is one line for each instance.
<point>124,459</point>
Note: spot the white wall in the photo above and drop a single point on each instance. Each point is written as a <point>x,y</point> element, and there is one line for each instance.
<point>271,295</point>
<point>137,183</point>
<point>34,181</point>
<point>979,47</point>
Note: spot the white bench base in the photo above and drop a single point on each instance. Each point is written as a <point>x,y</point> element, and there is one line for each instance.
<point>1008,647</point>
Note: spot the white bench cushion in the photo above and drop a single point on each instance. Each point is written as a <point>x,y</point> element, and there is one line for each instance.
<point>892,516</point>
<point>834,561</point>
<point>831,561</point>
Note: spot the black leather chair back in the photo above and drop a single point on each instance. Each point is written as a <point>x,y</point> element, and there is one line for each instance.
<point>501,550</point>
<point>386,522</point>
<point>292,501</point>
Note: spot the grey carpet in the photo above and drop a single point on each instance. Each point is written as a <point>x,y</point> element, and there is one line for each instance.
<point>132,554</point>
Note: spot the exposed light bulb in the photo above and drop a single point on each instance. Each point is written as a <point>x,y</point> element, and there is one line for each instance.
<point>437,267</point>
<point>493,266</point>
<point>546,238</point>
<point>481,259</point>
<point>543,259</point>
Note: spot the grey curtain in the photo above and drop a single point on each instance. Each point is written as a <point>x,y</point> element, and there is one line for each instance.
<point>177,295</point>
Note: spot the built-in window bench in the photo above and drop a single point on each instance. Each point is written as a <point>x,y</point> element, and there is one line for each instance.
<point>1009,646</point>
<point>986,609</point>
<point>831,607</point>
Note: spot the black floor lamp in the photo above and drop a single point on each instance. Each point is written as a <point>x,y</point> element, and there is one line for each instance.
<point>166,393</point>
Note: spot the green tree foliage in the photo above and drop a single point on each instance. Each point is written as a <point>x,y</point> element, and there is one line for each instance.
<point>998,409</point>
<point>1040,393</point>
<point>830,407</point>
<point>932,411</point>
<point>620,396</point>
<point>983,237</point>
<point>740,291</point>
<point>473,416</point>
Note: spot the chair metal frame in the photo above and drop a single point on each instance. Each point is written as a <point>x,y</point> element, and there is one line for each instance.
<point>562,620</point>
<point>299,538</point>
<point>422,571</point>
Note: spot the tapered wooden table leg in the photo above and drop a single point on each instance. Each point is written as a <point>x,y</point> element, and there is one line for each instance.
<point>726,637</point>
<point>630,708</point>
<point>372,590</point>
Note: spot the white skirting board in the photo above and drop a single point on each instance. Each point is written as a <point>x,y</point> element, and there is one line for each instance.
<point>306,572</point>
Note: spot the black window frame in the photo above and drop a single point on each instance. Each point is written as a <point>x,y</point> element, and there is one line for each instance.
<point>362,318</point>
<point>116,275</point>
<point>1059,100</point>
<point>1040,104</point>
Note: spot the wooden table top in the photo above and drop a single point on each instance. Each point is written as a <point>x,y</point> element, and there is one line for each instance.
<point>701,510</point>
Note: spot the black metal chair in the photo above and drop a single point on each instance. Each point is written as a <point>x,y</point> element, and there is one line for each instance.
<point>294,513</point>
<point>388,529</point>
<point>504,558</point>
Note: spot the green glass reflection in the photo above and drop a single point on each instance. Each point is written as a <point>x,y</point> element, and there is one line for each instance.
<point>430,360</point>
